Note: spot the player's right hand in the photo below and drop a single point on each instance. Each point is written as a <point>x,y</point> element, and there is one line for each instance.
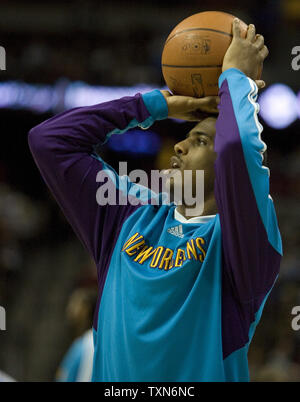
<point>189,108</point>
<point>246,54</point>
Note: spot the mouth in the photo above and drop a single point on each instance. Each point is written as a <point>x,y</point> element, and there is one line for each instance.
<point>175,162</point>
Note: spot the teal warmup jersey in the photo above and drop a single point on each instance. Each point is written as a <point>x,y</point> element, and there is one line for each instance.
<point>178,300</point>
<point>77,364</point>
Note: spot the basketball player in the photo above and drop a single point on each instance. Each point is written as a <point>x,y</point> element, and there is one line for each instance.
<point>174,305</point>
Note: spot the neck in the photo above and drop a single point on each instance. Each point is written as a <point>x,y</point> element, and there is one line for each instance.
<point>210,208</point>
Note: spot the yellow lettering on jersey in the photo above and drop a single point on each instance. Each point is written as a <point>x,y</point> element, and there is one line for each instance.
<point>190,248</point>
<point>200,241</point>
<point>133,249</point>
<point>180,257</point>
<point>166,258</point>
<point>131,240</point>
<point>156,256</point>
<point>144,254</point>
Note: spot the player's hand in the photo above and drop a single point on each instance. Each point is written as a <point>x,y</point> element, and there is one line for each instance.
<point>246,54</point>
<point>189,108</point>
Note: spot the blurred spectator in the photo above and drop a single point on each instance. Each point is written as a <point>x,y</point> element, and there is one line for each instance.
<point>78,362</point>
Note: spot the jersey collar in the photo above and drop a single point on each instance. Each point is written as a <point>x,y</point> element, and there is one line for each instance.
<point>197,219</point>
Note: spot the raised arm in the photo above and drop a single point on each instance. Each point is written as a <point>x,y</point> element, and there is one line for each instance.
<point>63,149</point>
<point>250,235</point>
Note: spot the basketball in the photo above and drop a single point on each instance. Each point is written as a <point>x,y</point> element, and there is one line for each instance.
<point>193,53</point>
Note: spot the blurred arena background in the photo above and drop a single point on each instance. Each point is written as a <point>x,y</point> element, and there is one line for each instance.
<point>61,54</point>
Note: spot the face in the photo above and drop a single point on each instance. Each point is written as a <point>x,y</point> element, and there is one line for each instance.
<point>196,152</point>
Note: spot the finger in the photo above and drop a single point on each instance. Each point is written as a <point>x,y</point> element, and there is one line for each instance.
<point>259,42</point>
<point>197,115</point>
<point>251,33</point>
<point>264,52</point>
<point>210,100</point>
<point>236,28</point>
<point>260,84</point>
<point>208,104</point>
<point>209,109</point>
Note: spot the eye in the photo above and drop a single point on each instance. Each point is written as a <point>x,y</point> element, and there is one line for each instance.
<point>201,141</point>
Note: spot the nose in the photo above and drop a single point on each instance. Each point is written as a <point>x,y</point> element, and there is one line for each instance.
<point>182,147</point>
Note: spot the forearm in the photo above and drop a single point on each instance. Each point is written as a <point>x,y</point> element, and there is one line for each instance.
<point>80,129</point>
<point>251,238</point>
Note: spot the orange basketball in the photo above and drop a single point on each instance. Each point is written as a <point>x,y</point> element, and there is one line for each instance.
<point>193,53</point>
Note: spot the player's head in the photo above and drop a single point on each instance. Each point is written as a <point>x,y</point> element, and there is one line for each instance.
<point>196,152</point>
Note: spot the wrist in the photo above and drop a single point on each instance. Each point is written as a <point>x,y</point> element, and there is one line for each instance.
<point>229,72</point>
<point>156,104</point>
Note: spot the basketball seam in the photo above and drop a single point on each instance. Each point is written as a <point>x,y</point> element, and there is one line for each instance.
<point>198,29</point>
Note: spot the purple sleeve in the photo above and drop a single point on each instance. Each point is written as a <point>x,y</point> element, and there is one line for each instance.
<point>250,235</point>
<point>62,148</point>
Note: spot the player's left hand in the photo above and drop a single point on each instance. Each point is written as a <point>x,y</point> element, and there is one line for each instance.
<point>245,54</point>
<point>189,108</point>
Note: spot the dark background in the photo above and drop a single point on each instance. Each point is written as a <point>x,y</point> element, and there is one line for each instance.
<point>119,43</point>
